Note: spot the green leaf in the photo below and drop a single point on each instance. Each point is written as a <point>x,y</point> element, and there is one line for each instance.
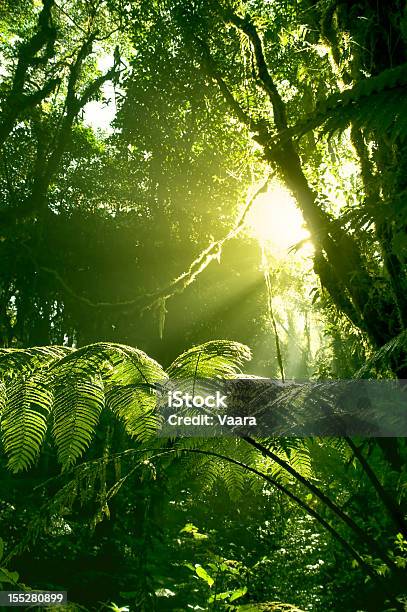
<point>16,362</point>
<point>194,531</point>
<point>219,596</point>
<point>78,404</point>
<point>8,577</point>
<point>202,573</point>
<point>136,406</point>
<point>239,593</point>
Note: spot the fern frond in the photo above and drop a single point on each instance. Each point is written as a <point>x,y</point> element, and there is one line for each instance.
<point>78,403</point>
<point>117,363</point>
<point>3,398</point>
<point>77,384</point>
<point>235,479</point>
<point>14,362</point>
<point>300,460</point>
<point>27,403</point>
<point>136,407</point>
<point>382,358</point>
<point>214,359</point>
<point>377,103</point>
<point>295,451</point>
<point>336,444</point>
<point>212,471</point>
<point>384,112</point>
<point>83,378</point>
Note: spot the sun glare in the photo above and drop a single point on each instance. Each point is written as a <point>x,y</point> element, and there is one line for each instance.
<point>275,221</point>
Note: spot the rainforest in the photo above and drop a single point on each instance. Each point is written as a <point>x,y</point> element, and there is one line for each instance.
<point>200,195</point>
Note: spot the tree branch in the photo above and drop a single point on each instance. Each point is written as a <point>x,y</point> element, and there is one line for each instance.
<point>17,102</point>
<point>246,26</point>
<point>46,170</point>
<point>208,64</point>
<point>148,301</point>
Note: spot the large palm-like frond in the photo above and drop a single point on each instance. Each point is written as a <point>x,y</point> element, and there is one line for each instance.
<point>25,401</point>
<point>96,375</point>
<point>70,388</point>
<point>78,403</point>
<point>14,362</point>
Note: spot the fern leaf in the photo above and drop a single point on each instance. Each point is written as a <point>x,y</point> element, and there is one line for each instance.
<point>382,358</point>
<point>375,103</point>
<point>24,420</point>
<point>78,403</point>
<point>136,407</point>
<point>2,398</point>
<point>14,362</point>
<point>214,359</point>
<point>84,377</point>
<point>117,363</point>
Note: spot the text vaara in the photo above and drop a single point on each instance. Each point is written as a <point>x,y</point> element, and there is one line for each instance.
<point>206,420</point>
<point>176,399</point>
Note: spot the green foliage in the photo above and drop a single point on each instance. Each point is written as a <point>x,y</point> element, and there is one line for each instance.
<point>27,404</point>
<point>77,405</point>
<point>71,391</point>
<point>16,362</point>
<point>217,358</point>
<point>272,606</point>
<point>194,100</point>
<point>8,579</point>
<point>377,103</point>
<point>394,350</point>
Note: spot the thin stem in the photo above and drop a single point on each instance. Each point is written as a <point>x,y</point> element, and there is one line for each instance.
<point>392,508</point>
<point>362,535</point>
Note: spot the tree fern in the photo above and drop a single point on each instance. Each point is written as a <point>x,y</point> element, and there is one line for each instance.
<point>76,385</point>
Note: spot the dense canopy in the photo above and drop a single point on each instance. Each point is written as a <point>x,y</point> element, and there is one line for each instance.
<point>194,189</point>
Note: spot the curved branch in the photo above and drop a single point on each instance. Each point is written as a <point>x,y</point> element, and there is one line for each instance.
<point>147,301</point>
<point>209,65</point>
<point>362,535</point>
